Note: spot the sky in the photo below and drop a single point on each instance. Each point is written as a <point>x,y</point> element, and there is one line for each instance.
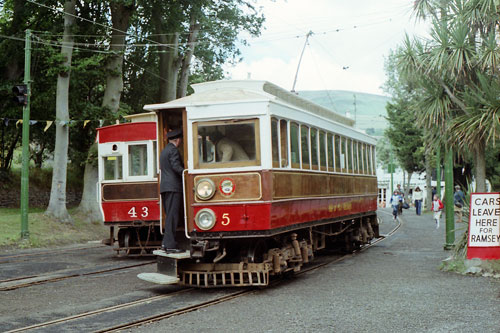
<point>346,51</point>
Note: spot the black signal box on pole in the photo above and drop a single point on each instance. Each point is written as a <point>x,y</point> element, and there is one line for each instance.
<point>21,94</point>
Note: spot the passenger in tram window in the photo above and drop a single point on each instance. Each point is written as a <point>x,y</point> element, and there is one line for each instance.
<point>171,167</point>
<point>227,149</point>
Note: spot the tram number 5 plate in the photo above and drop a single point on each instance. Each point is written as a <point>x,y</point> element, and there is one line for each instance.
<point>225,219</point>
<point>143,212</point>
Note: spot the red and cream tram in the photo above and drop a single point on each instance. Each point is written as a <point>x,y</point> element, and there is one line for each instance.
<point>128,190</point>
<point>270,179</point>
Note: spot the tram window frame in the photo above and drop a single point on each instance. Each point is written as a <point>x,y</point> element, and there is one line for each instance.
<point>330,146</point>
<point>295,156</point>
<point>214,164</point>
<point>350,152</point>
<point>322,151</point>
<point>117,166</point>
<point>275,151</point>
<point>142,154</point>
<point>372,156</point>
<point>305,158</point>
<point>365,160</point>
<point>338,153</point>
<point>283,129</point>
<point>313,135</point>
<point>355,159</point>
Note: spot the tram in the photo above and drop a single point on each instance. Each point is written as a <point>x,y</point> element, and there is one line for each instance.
<point>270,179</point>
<point>127,189</point>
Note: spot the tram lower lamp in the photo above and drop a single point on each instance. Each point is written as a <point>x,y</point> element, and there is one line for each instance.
<point>205,219</point>
<point>205,189</point>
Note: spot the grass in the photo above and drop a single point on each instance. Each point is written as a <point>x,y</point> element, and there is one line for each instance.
<point>45,232</point>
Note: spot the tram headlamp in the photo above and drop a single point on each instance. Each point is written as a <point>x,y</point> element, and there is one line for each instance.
<point>205,189</point>
<point>205,219</point>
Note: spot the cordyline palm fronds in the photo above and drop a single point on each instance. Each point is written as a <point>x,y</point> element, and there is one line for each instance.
<point>482,123</point>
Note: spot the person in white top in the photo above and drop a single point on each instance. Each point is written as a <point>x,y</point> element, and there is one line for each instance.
<point>418,196</point>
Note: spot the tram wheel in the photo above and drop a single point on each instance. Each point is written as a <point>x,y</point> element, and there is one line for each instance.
<point>256,251</point>
<point>130,240</point>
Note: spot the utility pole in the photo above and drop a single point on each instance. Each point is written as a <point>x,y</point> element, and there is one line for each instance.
<point>26,139</point>
<point>300,59</point>
<point>448,199</point>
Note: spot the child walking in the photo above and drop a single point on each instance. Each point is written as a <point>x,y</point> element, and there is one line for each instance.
<point>437,207</point>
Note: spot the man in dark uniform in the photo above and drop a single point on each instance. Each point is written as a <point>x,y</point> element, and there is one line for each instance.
<point>171,167</point>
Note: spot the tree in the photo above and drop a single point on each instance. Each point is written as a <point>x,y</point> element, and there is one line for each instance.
<point>447,70</point>
<point>121,12</point>
<point>57,203</point>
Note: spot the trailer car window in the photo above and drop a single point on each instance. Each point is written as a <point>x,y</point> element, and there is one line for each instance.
<point>112,167</point>
<point>304,139</point>
<point>322,150</point>
<point>138,160</point>
<point>314,148</point>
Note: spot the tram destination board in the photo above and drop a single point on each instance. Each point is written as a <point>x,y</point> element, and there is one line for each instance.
<point>484,226</point>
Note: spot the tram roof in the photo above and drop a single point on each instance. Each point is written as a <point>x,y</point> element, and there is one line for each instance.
<point>216,92</point>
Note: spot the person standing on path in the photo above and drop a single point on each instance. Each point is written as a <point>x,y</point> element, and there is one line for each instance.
<point>459,201</point>
<point>437,207</point>
<point>395,204</point>
<point>171,168</point>
<point>418,196</point>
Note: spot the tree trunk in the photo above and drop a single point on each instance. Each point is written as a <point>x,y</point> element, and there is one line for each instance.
<point>114,86</point>
<point>480,167</point>
<point>407,188</point>
<point>428,179</point>
<point>186,61</point>
<point>57,203</point>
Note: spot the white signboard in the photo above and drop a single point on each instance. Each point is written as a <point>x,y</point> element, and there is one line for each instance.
<point>484,223</point>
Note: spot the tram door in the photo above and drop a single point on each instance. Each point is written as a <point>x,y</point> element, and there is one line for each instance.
<point>168,120</point>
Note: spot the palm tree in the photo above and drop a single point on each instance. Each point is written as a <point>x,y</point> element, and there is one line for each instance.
<point>455,70</point>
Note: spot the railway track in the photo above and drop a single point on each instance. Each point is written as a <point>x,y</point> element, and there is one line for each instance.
<point>26,256</point>
<point>28,281</point>
<point>156,308</point>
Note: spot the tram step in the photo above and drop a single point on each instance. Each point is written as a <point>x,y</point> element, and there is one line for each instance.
<point>182,255</point>
<point>158,278</point>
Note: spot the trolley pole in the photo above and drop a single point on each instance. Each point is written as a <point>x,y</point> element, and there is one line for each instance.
<point>309,34</point>
<point>448,201</point>
<point>26,135</point>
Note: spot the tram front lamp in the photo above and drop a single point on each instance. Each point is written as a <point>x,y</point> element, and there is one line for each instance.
<point>205,219</point>
<point>205,189</point>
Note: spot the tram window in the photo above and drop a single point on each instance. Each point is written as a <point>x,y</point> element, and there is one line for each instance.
<point>329,144</point>
<point>371,159</point>
<point>284,142</point>
<point>138,160</point>
<point>314,148</point>
<point>322,150</point>
<point>227,144</point>
<point>355,165</point>
<point>338,151</point>
<point>349,156</point>
<point>275,143</point>
<point>304,139</point>
<point>365,160</point>
<point>294,145</point>
<point>343,155</point>
<point>112,167</point>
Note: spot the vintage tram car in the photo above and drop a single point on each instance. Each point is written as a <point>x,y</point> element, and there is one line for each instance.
<point>127,189</point>
<point>270,179</point>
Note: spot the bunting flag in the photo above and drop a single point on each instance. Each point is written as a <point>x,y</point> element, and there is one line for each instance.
<point>49,123</point>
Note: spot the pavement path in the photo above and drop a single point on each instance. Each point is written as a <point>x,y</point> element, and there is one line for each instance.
<point>395,286</point>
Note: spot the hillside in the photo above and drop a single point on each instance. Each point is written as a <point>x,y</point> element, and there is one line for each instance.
<point>370,109</point>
